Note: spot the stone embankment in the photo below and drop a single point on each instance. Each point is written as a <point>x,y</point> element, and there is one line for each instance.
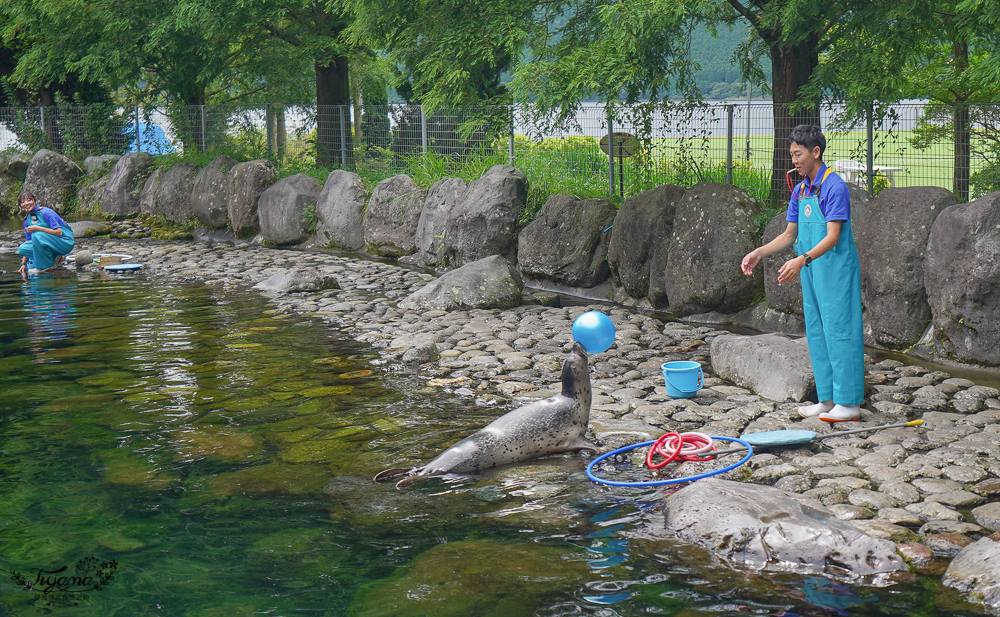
<point>933,489</point>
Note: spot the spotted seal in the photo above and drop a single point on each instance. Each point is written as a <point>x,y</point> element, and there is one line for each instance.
<point>556,424</point>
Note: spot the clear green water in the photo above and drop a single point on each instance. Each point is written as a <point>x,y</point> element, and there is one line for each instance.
<point>217,456</point>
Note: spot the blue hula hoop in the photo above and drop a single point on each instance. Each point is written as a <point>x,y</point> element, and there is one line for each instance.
<point>590,467</point>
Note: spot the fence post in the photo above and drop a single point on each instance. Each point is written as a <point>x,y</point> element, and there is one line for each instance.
<point>202,128</point>
<point>510,145</point>
<point>870,167</point>
<point>343,140</point>
<point>268,120</point>
<point>423,130</point>
<point>41,118</point>
<point>138,137</point>
<point>729,144</point>
<point>611,155</point>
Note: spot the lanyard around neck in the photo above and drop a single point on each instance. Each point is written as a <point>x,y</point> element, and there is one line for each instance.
<point>811,185</point>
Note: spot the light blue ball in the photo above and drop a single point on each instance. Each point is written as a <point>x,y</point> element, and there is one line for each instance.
<point>595,331</point>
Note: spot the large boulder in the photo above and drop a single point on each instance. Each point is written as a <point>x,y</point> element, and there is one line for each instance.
<point>88,194</point>
<point>892,247</point>
<point>637,250</point>
<point>567,242</point>
<point>754,527</point>
<point>16,166</point>
<point>962,278</point>
<point>390,222</point>
<point>210,195</point>
<point>485,221</point>
<point>975,572</point>
<point>784,297</point>
<point>298,279</point>
<point>249,181</point>
<point>89,229</point>
<point>341,211</point>
<point>772,365</point>
<point>286,209</point>
<point>50,178</point>
<point>713,229</point>
<point>120,196</point>
<point>443,198</point>
<point>94,164</point>
<point>169,193</point>
<point>491,282</point>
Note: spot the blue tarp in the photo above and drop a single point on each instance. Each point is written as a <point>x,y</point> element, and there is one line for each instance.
<point>152,139</point>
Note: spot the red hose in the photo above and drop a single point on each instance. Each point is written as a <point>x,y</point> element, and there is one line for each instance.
<point>681,447</point>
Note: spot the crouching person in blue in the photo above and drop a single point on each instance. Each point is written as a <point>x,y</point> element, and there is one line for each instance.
<point>819,224</point>
<point>49,238</point>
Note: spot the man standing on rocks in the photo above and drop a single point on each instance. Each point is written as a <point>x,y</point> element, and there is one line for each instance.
<point>819,224</point>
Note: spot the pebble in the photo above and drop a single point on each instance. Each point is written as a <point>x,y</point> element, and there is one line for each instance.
<point>946,544</point>
<point>515,356</point>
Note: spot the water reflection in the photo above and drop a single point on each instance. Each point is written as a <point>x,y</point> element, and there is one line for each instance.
<point>50,304</point>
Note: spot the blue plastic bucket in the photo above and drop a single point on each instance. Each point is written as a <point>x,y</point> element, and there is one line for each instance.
<point>683,378</point>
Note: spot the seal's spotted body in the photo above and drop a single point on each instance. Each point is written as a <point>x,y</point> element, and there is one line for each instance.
<point>554,425</point>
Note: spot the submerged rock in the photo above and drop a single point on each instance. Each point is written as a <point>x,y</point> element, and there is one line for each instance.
<point>298,279</point>
<point>763,528</point>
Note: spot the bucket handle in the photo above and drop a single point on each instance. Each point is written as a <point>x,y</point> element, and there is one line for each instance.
<point>701,382</point>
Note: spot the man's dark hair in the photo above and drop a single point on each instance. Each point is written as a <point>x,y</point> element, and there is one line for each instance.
<point>809,136</point>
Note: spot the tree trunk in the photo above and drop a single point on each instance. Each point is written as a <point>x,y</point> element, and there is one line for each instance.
<point>791,68</point>
<point>51,119</point>
<point>960,182</point>
<point>333,100</point>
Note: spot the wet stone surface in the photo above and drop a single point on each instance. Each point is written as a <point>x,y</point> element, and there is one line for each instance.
<point>937,481</point>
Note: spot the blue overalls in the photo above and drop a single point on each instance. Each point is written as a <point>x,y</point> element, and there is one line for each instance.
<point>42,248</point>
<point>831,301</point>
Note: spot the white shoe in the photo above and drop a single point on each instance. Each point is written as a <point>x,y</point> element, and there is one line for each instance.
<point>811,411</point>
<point>842,413</point>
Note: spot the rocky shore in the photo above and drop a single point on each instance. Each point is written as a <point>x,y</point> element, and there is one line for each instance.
<point>931,489</point>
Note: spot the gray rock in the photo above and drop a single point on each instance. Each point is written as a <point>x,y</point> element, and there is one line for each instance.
<point>284,207</point>
<point>88,229</point>
<point>50,178</point>
<point>425,352</point>
<point>637,251</point>
<point>443,198</point>
<point>934,510</point>
<point>892,248</point>
<point>298,279</point>
<point>933,486</point>
<point>988,516</point>
<point>966,309</point>
<point>975,572</point>
<point>772,365</point>
<point>794,483</point>
<point>784,298</point>
<point>938,526</point>
<point>900,491</point>
<point>249,180</point>
<point>92,164</point>
<point>340,208</point>
<point>882,529</point>
<point>871,499</point>
<point>566,242</point>
<point>964,474</point>
<point>845,484</point>
<point>121,195</point>
<point>898,516</point>
<point>169,194</point>
<point>491,282</point>
<point>958,499</point>
<point>713,229</point>
<point>485,221</point>
<point>88,197</point>
<point>762,528</point>
<point>83,258</point>
<point>851,513</point>
<point>210,195</point>
<point>17,166</point>
<point>618,433</point>
<point>390,221</point>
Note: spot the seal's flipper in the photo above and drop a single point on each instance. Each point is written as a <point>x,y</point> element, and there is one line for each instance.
<point>389,474</point>
<point>581,444</point>
<point>410,480</point>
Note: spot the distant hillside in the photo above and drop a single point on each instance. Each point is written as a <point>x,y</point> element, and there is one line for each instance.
<point>719,77</point>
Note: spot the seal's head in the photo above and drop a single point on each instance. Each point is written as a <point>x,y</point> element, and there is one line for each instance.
<point>575,369</point>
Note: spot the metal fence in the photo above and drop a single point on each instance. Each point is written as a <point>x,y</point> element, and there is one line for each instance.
<point>914,144</point>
